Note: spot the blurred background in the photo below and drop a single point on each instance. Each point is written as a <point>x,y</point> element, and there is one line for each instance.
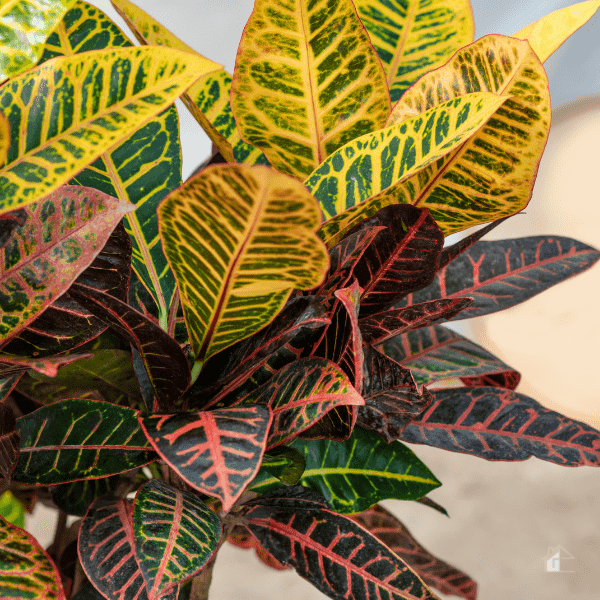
<point>504,517</point>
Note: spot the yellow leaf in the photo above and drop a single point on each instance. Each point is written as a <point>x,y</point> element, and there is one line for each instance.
<point>68,111</point>
<point>239,239</point>
<point>413,37</point>
<point>491,175</point>
<point>548,33</point>
<point>306,82</point>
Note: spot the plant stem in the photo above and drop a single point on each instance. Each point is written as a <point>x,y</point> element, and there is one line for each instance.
<point>196,370</point>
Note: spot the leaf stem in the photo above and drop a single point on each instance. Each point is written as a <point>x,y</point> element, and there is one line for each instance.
<point>196,371</point>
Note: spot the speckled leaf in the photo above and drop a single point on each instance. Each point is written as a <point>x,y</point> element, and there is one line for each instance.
<point>65,324</point>
<point>436,353</point>
<point>503,273</point>
<point>499,424</point>
<point>217,452</point>
<point>27,570</point>
<point>9,436</point>
<point>490,175</point>
<point>106,551</point>
<point>60,238</point>
<point>79,439</point>
<point>382,326</point>
<point>75,497</point>
<point>24,27</point>
<point>432,570</point>
<point>359,472</point>
<point>413,37</point>
<point>66,112</point>
<point>165,363</point>
<point>4,146</point>
<point>239,239</point>
<point>175,535</point>
<point>142,169</point>
<point>351,181</point>
<point>335,554</point>
<point>548,33</point>
<point>392,399</point>
<point>306,82</point>
<point>302,393</point>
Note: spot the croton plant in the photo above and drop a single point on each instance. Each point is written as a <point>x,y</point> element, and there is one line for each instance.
<point>239,357</point>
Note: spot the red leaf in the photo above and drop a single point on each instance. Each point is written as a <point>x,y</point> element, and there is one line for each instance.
<point>434,572</point>
<point>498,424</point>
<point>242,538</point>
<point>506,379</point>
<point>9,365</point>
<point>217,452</point>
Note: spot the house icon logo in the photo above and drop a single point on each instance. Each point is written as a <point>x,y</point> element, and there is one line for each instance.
<point>556,560</point>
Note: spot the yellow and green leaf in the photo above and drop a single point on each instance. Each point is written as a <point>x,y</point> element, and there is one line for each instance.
<point>547,34</point>
<point>491,174</point>
<point>11,508</point>
<point>382,160</point>
<point>65,113</point>
<point>143,169</point>
<point>4,139</point>
<point>239,239</point>
<point>413,37</point>
<point>306,82</point>
<point>207,99</point>
<point>24,27</point>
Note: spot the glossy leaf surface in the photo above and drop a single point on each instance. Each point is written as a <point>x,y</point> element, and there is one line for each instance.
<point>306,82</point>
<point>547,34</point>
<point>217,452</point>
<point>24,27</point>
<point>65,113</point>
<point>498,424</point>
<point>392,399</point>
<point>335,554</point>
<point>60,238</point>
<point>302,393</point>
<point>27,570</point>
<point>432,570</point>
<point>359,472</point>
<point>79,439</point>
<point>436,353</point>
<point>9,439</point>
<point>164,360</point>
<point>175,535</point>
<point>413,37</point>
<point>106,551</point>
<point>142,169</point>
<point>382,326</point>
<point>491,174</point>
<point>239,239</point>
<point>503,273</point>
<point>65,324</point>
<point>75,497</point>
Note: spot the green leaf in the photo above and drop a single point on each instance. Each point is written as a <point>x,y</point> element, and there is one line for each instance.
<point>382,160</point>
<point>27,570</point>
<point>9,436</point>
<point>79,439</point>
<point>12,510</point>
<point>285,463</point>
<point>359,472</point>
<point>175,535</point>
<point>75,497</point>
<point>24,27</point>
<point>62,235</point>
<point>239,239</point>
<point>65,113</point>
<point>306,81</point>
<point>414,37</point>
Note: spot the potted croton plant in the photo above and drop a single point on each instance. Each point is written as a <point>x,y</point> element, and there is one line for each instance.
<point>241,356</point>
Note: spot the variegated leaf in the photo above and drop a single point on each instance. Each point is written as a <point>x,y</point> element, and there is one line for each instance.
<point>9,436</point>
<point>302,393</point>
<point>175,535</point>
<point>217,452</point>
<point>24,27</point>
<point>75,497</point>
<point>547,34</point>
<point>9,364</point>
<point>491,174</point>
<point>413,37</point>
<point>239,239</point>
<point>12,509</point>
<point>306,81</point>
<point>208,99</point>
<point>65,113</point>
<point>242,538</point>
<point>26,569</point>
<point>62,235</point>
<point>4,142</point>
<point>350,182</point>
